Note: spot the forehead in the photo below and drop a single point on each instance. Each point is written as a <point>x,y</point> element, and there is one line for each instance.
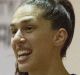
<point>27,12</point>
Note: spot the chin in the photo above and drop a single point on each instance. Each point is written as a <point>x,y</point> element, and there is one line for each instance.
<point>23,67</point>
<point>26,67</point>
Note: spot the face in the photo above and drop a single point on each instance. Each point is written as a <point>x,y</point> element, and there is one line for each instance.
<point>32,38</point>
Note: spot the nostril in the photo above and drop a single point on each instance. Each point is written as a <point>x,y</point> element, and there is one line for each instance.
<point>17,47</point>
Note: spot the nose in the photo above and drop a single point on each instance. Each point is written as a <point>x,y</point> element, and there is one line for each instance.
<point>19,38</point>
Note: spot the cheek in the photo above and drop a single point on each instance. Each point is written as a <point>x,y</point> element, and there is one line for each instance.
<point>41,43</point>
<point>43,50</point>
<point>43,40</point>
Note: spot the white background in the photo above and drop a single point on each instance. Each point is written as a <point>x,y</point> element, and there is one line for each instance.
<point>72,62</point>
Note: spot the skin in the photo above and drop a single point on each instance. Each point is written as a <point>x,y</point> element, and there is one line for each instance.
<point>31,31</point>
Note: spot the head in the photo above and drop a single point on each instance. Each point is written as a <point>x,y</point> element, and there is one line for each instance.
<point>42,31</point>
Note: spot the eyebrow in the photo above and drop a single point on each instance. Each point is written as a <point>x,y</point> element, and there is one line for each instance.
<point>22,20</point>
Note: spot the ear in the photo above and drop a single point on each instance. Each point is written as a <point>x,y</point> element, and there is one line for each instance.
<point>60,37</point>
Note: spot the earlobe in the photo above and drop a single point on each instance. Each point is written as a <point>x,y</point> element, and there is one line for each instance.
<point>60,37</point>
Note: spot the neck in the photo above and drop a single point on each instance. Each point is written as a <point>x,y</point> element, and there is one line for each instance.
<point>55,68</point>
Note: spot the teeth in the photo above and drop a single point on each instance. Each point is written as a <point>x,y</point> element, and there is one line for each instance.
<point>23,53</point>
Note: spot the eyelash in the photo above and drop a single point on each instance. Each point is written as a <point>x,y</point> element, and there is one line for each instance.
<point>28,29</point>
<point>13,30</point>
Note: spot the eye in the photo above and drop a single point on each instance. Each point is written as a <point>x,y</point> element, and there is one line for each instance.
<point>13,30</point>
<point>28,28</point>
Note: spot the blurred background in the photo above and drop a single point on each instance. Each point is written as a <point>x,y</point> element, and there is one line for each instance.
<point>7,59</point>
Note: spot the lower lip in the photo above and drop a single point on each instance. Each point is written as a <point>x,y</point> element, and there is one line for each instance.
<point>22,59</point>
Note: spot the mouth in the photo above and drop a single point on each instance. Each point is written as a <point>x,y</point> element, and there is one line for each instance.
<point>23,55</point>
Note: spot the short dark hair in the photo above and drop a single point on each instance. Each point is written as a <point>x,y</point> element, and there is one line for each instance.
<point>61,13</point>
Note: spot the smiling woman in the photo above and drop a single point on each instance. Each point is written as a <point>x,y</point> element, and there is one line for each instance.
<point>42,31</point>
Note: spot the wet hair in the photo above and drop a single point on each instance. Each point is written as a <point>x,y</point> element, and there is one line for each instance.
<point>61,15</point>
